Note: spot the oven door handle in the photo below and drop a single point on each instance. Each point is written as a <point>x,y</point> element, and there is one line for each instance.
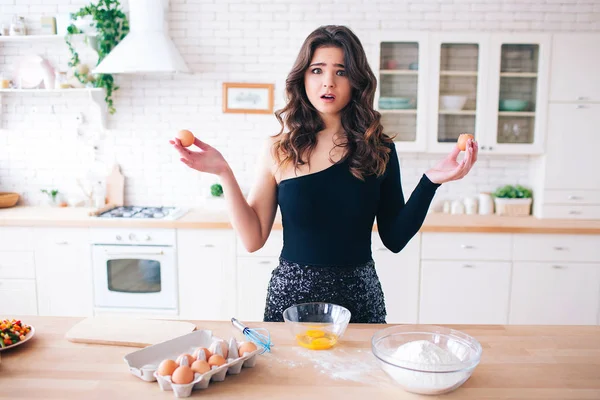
<point>158,253</point>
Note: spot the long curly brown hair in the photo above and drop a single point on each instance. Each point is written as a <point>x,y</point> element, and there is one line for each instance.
<point>364,139</point>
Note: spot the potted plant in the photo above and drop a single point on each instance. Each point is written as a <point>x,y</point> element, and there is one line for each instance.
<point>513,200</point>
<point>111,26</point>
<point>52,197</point>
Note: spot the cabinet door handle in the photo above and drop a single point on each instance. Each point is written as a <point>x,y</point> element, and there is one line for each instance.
<point>381,248</point>
<point>559,248</point>
<point>264,262</point>
<point>62,242</point>
<point>574,212</point>
<point>466,246</point>
<point>558,267</point>
<point>571,197</point>
<point>468,266</point>
<point>208,245</point>
<point>580,98</point>
<point>581,106</point>
<point>483,147</point>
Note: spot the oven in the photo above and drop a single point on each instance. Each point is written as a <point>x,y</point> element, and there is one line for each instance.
<point>135,270</point>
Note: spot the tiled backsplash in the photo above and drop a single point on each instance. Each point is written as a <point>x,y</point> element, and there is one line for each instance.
<point>43,145</point>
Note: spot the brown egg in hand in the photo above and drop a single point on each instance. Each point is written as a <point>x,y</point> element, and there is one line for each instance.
<point>167,367</point>
<point>463,138</point>
<point>246,347</point>
<point>186,137</point>
<point>217,360</point>
<point>182,375</point>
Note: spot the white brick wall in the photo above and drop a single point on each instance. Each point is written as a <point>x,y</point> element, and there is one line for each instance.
<point>254,41</point>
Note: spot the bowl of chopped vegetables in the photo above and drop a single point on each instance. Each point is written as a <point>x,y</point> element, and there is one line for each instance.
<point>13,333</point>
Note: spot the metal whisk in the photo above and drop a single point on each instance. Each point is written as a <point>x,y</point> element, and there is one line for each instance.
<point>259,339</point>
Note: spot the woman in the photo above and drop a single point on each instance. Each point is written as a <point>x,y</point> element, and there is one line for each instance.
<point>332,171</point>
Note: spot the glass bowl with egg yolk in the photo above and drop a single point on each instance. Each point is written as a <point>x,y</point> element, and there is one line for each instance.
<point>317,326</point>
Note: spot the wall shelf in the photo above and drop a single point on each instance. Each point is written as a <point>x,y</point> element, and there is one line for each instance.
<point>33,38</point>
<point>516,113</point>
<point>458,112</point>
<point>399,72</point>
<point>96,96</point>
<point>401,111</point>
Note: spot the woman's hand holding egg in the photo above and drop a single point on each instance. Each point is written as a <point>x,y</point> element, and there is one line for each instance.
<point>208,159</point>
<point>449,169</point>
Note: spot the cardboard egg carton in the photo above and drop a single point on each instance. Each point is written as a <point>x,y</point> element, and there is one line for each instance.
<point>144,363</point>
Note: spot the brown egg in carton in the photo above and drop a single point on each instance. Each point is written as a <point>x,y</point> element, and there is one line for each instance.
<point>186,359</point>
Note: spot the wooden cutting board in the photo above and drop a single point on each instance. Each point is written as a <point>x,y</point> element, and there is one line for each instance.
<point>123,331</point>
<point>115,187</point>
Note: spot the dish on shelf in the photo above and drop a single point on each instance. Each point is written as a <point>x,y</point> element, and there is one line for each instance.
<point>512,105</point>
<point>452,102</point>
<point>29,72</point>
<point>396,103</point>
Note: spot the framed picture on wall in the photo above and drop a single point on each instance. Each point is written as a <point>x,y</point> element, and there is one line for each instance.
<point>248,98</point>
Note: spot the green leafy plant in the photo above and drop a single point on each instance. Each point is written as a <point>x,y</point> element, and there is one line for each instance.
<point>112,26</point>
<point>51,193</point>
<point>216,190</point>
<point>513,192</point>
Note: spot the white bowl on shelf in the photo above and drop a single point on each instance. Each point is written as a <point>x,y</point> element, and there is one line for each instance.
<point>452,102</point>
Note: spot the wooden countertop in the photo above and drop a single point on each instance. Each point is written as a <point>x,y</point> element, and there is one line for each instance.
<point>197,218</point>
<point>518,362</point>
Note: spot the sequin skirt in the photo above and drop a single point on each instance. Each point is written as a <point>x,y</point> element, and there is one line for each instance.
<point>356,288</point>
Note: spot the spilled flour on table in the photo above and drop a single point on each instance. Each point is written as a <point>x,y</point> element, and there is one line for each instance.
<point>339,363</point>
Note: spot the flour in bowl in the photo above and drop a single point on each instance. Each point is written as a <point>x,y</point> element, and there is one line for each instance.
<point>423,355</point>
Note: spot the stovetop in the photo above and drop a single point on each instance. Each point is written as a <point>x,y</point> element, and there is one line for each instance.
<point>136,212</point>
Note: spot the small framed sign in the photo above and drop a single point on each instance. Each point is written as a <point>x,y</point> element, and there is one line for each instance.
<point>248,98</point>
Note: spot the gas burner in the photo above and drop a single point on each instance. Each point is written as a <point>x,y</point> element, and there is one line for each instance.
<point>143,212</point>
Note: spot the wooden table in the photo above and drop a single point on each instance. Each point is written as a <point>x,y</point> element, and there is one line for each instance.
<point>518,362</point>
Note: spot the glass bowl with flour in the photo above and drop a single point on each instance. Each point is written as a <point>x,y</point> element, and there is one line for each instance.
<point>426,359</point>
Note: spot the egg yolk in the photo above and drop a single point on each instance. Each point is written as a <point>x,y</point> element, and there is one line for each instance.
<point>316,339</point>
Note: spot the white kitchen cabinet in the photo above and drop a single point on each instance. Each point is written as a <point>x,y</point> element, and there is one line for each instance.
<point>517,97</point>
<point>63,271</point>
<point>572,162</point>
<point>403,69</point>
<point>17,272</point>
<point>17,297</point>
<point>206,274</point>
<point>399,277</point>
<point>415,69</point>
<point>459,65</point>
<point>575,60</point>
<point>253,276</point>
<point>253,272</point>
<point>551,293</point>
<point>464,292</point>
<point>556,279</point>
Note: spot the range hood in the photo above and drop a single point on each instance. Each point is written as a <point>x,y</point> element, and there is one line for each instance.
<point>147,48</point>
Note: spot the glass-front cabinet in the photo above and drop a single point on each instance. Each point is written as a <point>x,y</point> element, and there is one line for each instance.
<point>434,86</point>
<point>401,90</point>
<point>459,77</point>
<point>518,93</point>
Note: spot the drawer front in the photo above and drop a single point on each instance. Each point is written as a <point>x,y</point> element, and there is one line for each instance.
<point>17,297</point>
<point>555,293</point>
<point>575,248</point>
<point>570,212</point>
<point>17,264</point>
<point>465,246</point>
<point>568,197</point>
<point>272,247</point>
<point>15,238</point>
